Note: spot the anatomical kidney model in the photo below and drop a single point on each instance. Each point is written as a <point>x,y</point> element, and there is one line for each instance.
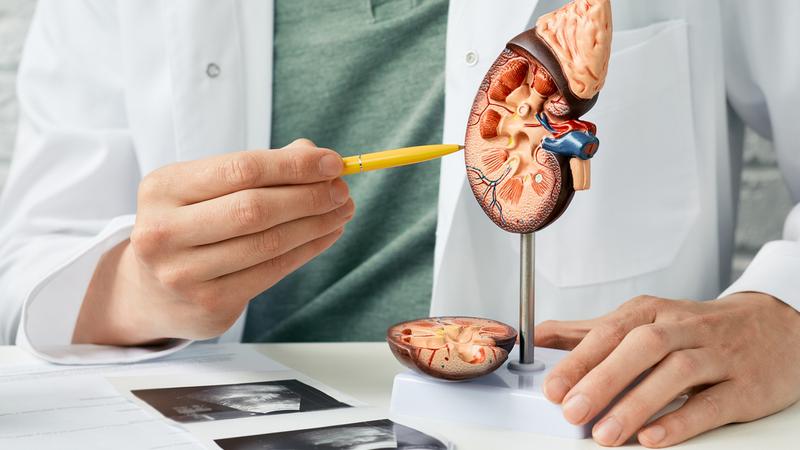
<point>526,150</point>
<point>526,153</point>
<point>452,348</point>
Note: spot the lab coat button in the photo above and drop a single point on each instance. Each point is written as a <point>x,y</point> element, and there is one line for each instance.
<point>212,70</point>
<point>471,58</point>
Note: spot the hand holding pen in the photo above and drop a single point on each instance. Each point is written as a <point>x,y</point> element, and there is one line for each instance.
<point>212,234</point>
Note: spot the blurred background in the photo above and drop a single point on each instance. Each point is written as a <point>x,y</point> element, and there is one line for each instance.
<point>763,205</point>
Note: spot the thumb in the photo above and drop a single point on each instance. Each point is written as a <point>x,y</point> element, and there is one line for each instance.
<point>302,142</point>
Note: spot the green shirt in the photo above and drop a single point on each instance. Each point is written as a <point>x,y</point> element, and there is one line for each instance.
<point>359,76</point>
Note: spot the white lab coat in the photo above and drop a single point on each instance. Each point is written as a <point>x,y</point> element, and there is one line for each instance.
<point>109,91</point>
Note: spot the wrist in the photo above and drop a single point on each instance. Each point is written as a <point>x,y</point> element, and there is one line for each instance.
<point>113,307</point>
<point>749,296</point>
<point>759,300</point>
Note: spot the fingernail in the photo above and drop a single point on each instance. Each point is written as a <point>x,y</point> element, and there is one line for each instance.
<point>654,434</point>
<point>577,408</point>
<point>555,389</point>
<point>330,165</point>
<point>339,192</point>
<point>344,211</point>
<point>607,432</point>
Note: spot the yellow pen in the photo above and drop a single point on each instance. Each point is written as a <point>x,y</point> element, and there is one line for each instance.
<point>396,158</point>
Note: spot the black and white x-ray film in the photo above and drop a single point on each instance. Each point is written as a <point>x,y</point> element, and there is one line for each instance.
<point>372,435</point>
<point>232,401</point>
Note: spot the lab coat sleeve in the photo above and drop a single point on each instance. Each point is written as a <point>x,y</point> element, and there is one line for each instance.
<point>71,191</point>
<point>762,63</point>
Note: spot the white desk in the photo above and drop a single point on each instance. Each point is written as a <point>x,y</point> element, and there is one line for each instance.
<point>366,371</point>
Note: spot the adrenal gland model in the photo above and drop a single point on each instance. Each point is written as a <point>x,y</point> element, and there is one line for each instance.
<point>526,153</point>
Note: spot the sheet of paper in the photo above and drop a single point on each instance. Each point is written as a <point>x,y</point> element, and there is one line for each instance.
<point>378,434</point>
<point>213,405</point>
<point>197,358</point>
<point>258,432</point>
<point>248,398</point>
<point>293,409</point>
<point>46,406</point>
<point>80,412</point>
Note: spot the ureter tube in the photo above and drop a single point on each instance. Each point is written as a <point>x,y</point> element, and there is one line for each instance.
<point>396,158</point>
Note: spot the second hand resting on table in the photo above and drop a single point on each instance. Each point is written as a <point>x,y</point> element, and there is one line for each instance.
<point>737,357</point>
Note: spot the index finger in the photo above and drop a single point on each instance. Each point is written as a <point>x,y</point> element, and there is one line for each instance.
<point>592,350</point>
<point>298,163</point>
<point>562,334</point>
<point>642,349</point>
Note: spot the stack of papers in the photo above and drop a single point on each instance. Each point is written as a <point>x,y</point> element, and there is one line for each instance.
<point>206,396</point>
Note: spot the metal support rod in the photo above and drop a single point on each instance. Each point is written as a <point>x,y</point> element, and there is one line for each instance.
<point>527,304</point>
<point>527,297</point>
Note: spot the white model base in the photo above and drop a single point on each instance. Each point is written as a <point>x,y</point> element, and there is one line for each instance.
<point>502,399</point>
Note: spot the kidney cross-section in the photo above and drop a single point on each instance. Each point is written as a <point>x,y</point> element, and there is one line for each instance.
<point>452,348</point>
<point>521,186</point>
